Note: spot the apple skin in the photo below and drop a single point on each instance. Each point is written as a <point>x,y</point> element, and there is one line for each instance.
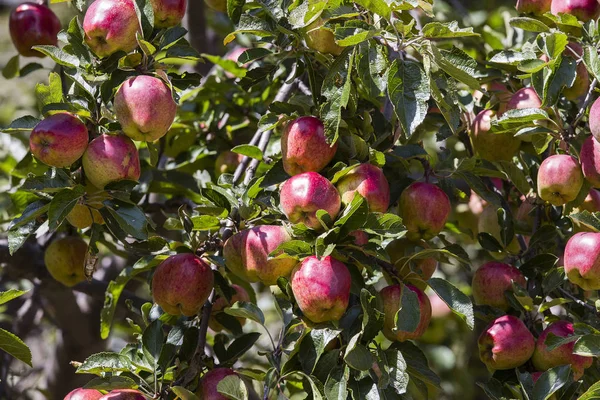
<point>392,297</point>
<point>506,343</point>
<point>584,10</point>
<point>83,394</point>
<point>59,140</point>
<point>492,280</point>
<point>590,160</point>
<point>304,147</point>
<point>369,181</point>
<point>85,212</point>
<point>207,388</point>
<point>321,39</point>
<point>246,254</point>
<point>594,119</point>
<point>544,359</point>
<point>492,146</point>
<point>321,288</point>
<point>424,209</point>
<point>168,13</point>
<point>559,179</point>
<point>111,158</point>
<point>524,98</point>
<point>499,94</point>
<point>227,162</point>
<point>591,202</point>
<point>145,108</point>
<point>111,26</point>
<point>537,7</point>
<point>582,260</point>
<point>181,284</point>
<point>416,271</point>
<point>65,260</point>
<point>360,237</point>
<point>217,5</point>
<point>32,24</point>
<point>304,194</point>
<point>123,394</point>
<point>221,302</point>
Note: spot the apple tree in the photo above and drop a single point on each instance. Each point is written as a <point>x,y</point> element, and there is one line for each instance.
<point>369,199</point>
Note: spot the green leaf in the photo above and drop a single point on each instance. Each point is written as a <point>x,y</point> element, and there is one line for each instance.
<point>14,346</point>
<point>240,346</point>
<point>153,339</point>
<point>145,14</point>
<point>183,393</point>
<point>20,124</point>
<point>129,218</point>
<point>336,386</point>
<point>397,370</point>
<point>446,30</point>
<point>354,214</point>
<point>293,248</point>
<point>593,393</point>
<point>234,10</point>
<point>529,24</point>
<point>409,315</point>
<point>51,93</point>
<point>408,89</point>
<point>10,294</point>
<point>62,204</point>
<point>336,88</point>
<point>11,69</point>
<point>379,7</point>
<point>588,219</point>
<point>592,61</point>
<point>455,299</point>
<point>458,65</point>
<point>244,309</point>
<point>31,212</point>
<point>417,364</point>
<point>233,387</point>
<point>100,363</point>
<point>359,357</point>
<point>58,55</point>
<point>248,150</point>
<point>588,345</point>
<point>111,383</point>
<point>550,381</point>
<point>312,346</point>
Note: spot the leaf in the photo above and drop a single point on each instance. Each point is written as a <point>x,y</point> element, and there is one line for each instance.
<point>233,387</point>
<point>336,386</point>
<point>145,14</point>
<point>455,299</point>
<point>11,69</point>
<point>398,370</point>
<point>111,383</point>
<point>380,7</point>
<point>153,339</point>
<point>448,30</point>
<point>529,24</point>
<point>588,219</point>
<point>31,212</point>
<point>51,93</point>
<point>248,150</point>
<point>408,89</point>
<point>25,123</point>
<point>15,347</point>
<point>58,55</point>
<point>128,217</point>
<point>409,315</point>
<point>354,214</point>
<point>458,65</point>
<point>183,394</point>
<point>417,364</point>
<point>550,381</point>
<point>588,345</point>
<point>240,346</point>
<point>62,204</point>
<point>10,295</point>
<point>593,393</point>
<point>100,363</point>
<point>312,346</point>
<point>336,88</point>
<point>234,10</point>
<point>293,248</point>
<point>359,357</point>
<point>244,309</point>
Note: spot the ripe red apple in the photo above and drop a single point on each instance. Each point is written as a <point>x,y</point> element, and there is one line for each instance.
<point>439,309</point>
<point>416,271</point>
<point>111,26</point>
<point>32,24</point>
<point>304,147</point>
<point>321,39</point>
<point>124,394</point>
<point>111,158</point>
<point>526,97</point>
<point>590,160</point>
<point>217,5</point>
<point>321,288</point>
<point>304,194</point>
<point>424,209</point>
<point>559,179</point>
<point>591,202</point>
<point>246,254</point>
<point>582,260</point>
<point>227,162</point>
<point>594,119</point>
<point>59,140</point>
<point>492,146</point>
<point>222,302</point>
<point>145,108</point>
<point>181,284</point>
<point>392,297</point>
<point>584,10</point>
<point>168,13</point>
<point>537,7</point>
<point>369,181</point>
<point>506,343</point>
<point>360,238</point>
<point>492,280</point>
<point>582,81</point>
<point>83,394</point>
<point>65,260</point>
<point>207,388</point>
<point>544,359</point>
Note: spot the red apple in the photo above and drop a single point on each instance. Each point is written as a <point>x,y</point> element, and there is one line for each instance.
<point>582,81</point>
<point>181,284</point>
<point>321,39</point>
<point>321,288</point>
<point>582,260</point>
<point>544,359</point>
<point>392,297</point>
<point>220,303</point>
<point>360,238</point>
<point>59,140</point>
<point>227,162</point>
<point>145,108</point>
<point>65,260</point>
<point>207,388</point>
<point>304,194</point>
<point>246,254</point>
<point>591,202</point>
<point>492,280</point>
<point>424,209</point>
<point>439,308</point>
<point>559,179</point>
<point>111,158</point>
<point>524,98</point>
<point>584,10</point>
<point>111,26</point>
<point>590,160</point>
<point>492,146</point>
<point>537,7</point>
<point>368,181</point>
<point>506,343</point>
<point>83,394</point>
<point>168,13</point>
<point>304,147</point>
<point>124,394</point>
<point>32,24</point>
<point>416,271</point>
<point>594,119</point>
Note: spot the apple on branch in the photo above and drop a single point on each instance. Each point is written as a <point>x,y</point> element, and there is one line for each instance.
<point>559,179</point>
<point>59,140</point>
<point>506,343</point>
<point>111,26</point>
<point>424,209</point>
<point>33,24</point>
<point>111,158</point>
<point>65,260</point>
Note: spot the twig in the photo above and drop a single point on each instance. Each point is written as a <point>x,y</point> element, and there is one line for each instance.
<point>277,358</point>
<point>578,301</point>
<point>586,102</point>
